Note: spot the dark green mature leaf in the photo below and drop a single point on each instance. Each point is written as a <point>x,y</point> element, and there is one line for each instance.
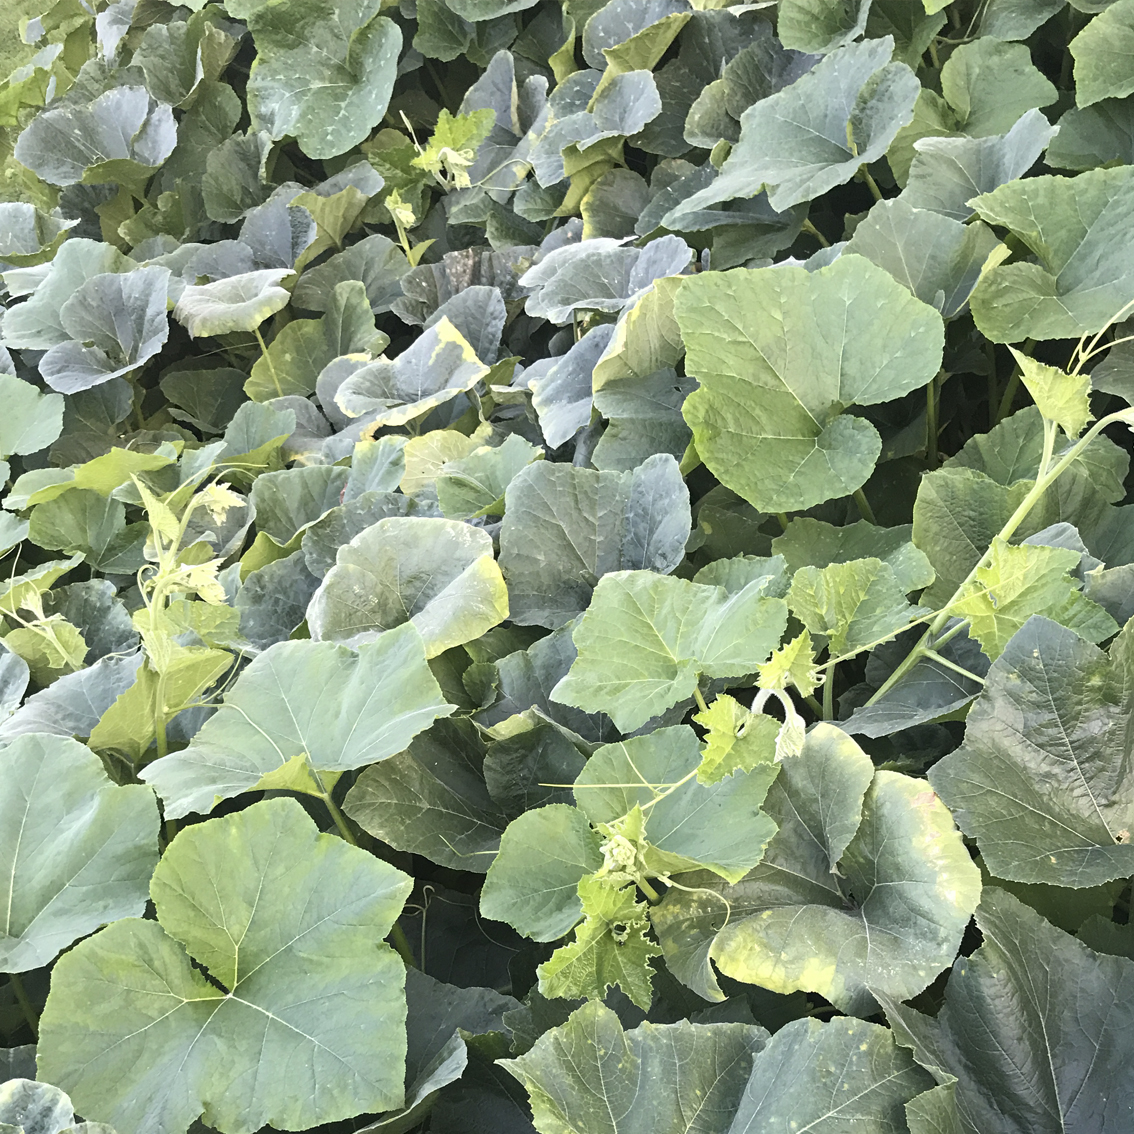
<point>816,133</point>
<point>646,640</point>
<point>1041,781</point>
<point>1103,52</point>
<point>990,84</point>
<point>323,73</point>
<point>116,322</point>
<point>439,575</point>
<point>1036,1029</point>
<point>866,886</point>
<point>589,1074</point>
<point>821,26</point>
<point>302,1019</point>
<point>76,850</point>
<point>439,366</point>
<point>1102,134</point>
<point>533,882</point>
<point>565,528</point>
<point>281,727</point>
<point>431,799</point>
<point>1075,227</point>
<point>936,257</point>
<point>768,417</point>
<point>238,303</point>
<point>947,173</point>
<point>32,419</point>
<point>829,1077</point>
<point>122,135</point>
<point>300,352</point>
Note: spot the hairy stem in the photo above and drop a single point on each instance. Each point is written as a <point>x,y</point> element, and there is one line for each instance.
<point>829,695</point>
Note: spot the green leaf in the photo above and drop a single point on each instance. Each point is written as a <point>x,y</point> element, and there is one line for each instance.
<point>1102,134</point>
<point>431,799</point>
<point>438,574</point>
<point>375,260</point>
<point>35,323</point>
<point>1019,582</point>
<point>299,353</point>
<point>279,715</point>
<point>646,639</point>
<point>129,725</point>
<point>718,826</point>
<point>807,542</point>
<point>29,235</point>
<point>990,84</point>
<point>958,513</point>
<point>1061,397</point>
<point>736,740</point>
<point>32,420</point>
<point>533,882</point>
<point>1103,52</point>
<point>435,369</point>
<point>84,522</point>
<point>818,132</point>
<point>122,135</point>
<point>866,886</point>
<point>1053,1059</point>
<point>306,1025</point>
<point>1075,226</point>
<point>102,840</point>
<point>854,605</point>
<point>828,1077</point>
<point>820,25</point>
<point>27,1107</point>
<point>238,303</point>
<point>474,485</point>
<point>937,258</point>
<point>767,419</point>
<point>115,322</point>
<point>566,527</point>
<point>324,72</point>
<point>451,151</point>
<point>947,173</point>
<point>1041,781</point>
<point>792,664</point>
<point>611,947</point>
<point>589,1074</point>
<point>291,500</point>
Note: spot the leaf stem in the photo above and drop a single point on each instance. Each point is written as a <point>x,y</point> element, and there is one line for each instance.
<point>811,230</point>
<point>700,698</point>
<point>933,655</point>
<point>829,694</point>
<point>268,358</point>
<point>30,1014</point>
<point>401,944</point>
<point>871,184</point>
<point>993,385</point>
<point>652,896</point>
<point>931,427</point>
<point>864,509</point>
<point>332,807</point>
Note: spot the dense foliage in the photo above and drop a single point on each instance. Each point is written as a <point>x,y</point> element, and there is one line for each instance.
<point>566,567</point>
